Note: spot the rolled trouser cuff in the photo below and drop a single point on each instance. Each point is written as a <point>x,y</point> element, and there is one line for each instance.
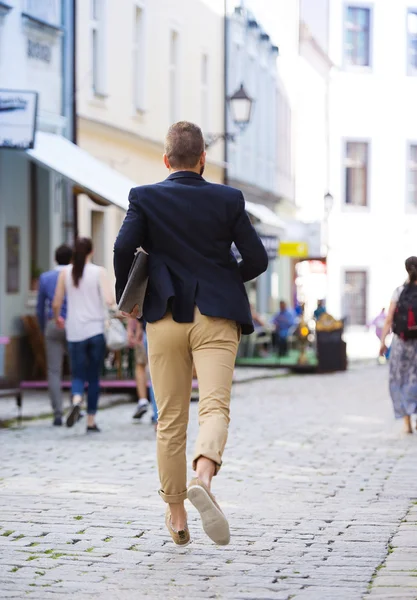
<point>173,498</point>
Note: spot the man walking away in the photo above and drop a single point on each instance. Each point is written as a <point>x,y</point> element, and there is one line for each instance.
<point>283,320</point>
<point>196,308</point>
<point>55,341</point>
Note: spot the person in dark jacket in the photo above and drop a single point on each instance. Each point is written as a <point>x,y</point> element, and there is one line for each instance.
<point>196,308</point>
<point>55,340</point>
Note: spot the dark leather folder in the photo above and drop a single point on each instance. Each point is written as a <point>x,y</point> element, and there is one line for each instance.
<point>137,282</point>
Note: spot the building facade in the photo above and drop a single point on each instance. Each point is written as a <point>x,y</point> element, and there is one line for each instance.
<point>35,203</point>
<point>260,158</point>
<point>168,66</point>
<point>373,170</point>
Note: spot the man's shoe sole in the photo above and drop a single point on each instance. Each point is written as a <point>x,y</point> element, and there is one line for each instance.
<point>214,522</point>
<point>73,415</point>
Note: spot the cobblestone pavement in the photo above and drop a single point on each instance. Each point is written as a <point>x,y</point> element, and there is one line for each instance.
<point>318,482</point>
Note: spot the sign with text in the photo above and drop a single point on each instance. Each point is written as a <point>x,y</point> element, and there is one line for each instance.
<point>17,119</point>
<point>271,246</point>
<point>293,249</point>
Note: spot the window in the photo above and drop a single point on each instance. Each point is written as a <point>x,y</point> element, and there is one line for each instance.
<point>205,109</point>
<point>98,47</point>
<point>357,36</point>
<point>412,176</point>
<point>47,10</point>
<point>355,297</point>
<point>356,174</point>
<point>412,42</point>
<point>173,77</point>
<point>139,60</point>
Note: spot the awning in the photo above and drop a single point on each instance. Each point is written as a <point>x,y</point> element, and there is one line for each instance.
<point>265,215</point>
<point>83,170</point>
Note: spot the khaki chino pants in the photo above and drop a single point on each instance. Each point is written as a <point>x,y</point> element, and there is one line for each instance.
<point>211,343</point>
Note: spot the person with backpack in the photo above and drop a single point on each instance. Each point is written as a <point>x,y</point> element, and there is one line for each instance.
<point>402,320</point>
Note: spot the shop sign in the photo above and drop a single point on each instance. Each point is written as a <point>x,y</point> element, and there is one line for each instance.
<point>17,119</point>
<point>271,245</point>
<point>39,51</point>
<point>293,249</point>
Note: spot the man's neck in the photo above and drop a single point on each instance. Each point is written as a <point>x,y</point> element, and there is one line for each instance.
<point>172,171</point>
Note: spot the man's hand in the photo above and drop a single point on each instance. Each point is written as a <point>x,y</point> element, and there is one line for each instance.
<point>383,349</point>
<point>60,323</point>
<point>133,314</point>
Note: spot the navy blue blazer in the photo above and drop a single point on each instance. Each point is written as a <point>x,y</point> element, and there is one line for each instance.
<point>187,225</point>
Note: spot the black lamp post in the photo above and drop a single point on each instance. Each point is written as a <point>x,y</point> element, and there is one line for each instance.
<point>240,104</point>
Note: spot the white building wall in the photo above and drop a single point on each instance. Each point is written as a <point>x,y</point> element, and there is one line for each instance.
<point>199,30</point>
<point>376,104</point>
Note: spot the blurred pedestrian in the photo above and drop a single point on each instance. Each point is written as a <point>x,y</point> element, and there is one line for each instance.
<point>402,319</point>
<point>283,320</point>
<point>378,323</point>
<point>88,290</point>
<point>55,340</point>
<point>136,333</point>
<point>195,309</point>
<point>320,310</point>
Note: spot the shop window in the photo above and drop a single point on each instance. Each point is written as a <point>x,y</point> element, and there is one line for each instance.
<point>139,48</point>
<point>412,176</point>
<point>357,36</point>
<point>355,297</point>
<point>173,76</point>
<point>356,173</point>
<point>98,47</point>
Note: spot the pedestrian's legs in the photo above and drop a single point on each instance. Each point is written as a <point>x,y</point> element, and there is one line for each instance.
<point>214,344</point>
<point>95,349</point>
<point>141,383</point>
<point>78,359</point>
<point>282,346</point>
<point>151,392</point>
<point>153,403</point>
<point>171,371</point>
<point>55,344</point>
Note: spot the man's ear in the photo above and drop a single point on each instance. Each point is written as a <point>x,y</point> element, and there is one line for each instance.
<point>203,159</point>
<point>166,162</point>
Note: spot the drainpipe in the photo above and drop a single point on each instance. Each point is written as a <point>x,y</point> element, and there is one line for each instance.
<point>74,105</point>
<point>225,69</point>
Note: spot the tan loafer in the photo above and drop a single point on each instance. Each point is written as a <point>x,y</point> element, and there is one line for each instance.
<point>180,538</point>
<point>214,522</point>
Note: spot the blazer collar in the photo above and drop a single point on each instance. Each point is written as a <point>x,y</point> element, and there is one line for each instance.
<point>185,174</point>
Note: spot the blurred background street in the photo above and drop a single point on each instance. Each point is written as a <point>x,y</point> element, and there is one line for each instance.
<point>307,107</point>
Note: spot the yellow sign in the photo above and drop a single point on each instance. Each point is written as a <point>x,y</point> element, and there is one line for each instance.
<point>293,249</point>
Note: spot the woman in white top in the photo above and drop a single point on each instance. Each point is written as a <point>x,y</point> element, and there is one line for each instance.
<point>403,357</point>
<point>87,289</point>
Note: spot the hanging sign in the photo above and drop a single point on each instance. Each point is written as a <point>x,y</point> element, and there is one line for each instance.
<point>18,119</point>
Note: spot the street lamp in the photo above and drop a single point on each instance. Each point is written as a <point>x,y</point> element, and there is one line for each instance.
<point>241,107</point>
<point>240,104</point>
<point>328,203</point>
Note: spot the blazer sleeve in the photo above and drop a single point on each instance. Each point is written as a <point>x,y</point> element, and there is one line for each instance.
<point>254,257</point>
<point>131,236</point>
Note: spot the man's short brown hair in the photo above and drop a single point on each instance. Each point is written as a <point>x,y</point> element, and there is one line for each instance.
<point>184,144</point>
